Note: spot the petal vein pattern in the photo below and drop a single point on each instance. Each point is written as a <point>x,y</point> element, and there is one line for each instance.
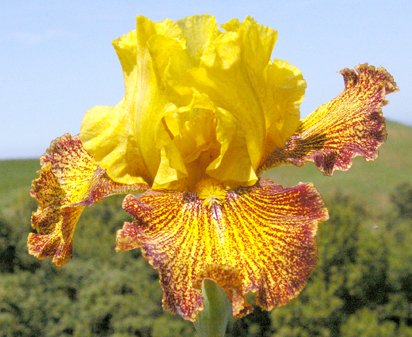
<point>69,180</point>
<point>350,125</point>
<point>256,239</point>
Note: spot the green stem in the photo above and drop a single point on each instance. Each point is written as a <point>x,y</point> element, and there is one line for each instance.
<point>213,320</point>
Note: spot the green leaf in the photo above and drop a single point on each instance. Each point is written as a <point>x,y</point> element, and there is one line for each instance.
<point>213,320</point>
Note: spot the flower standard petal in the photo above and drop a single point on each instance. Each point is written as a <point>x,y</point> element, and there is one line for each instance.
<point>69,180</point>
<point>233,78</point>
<point>257,100</point>
<point>254,239</point>
<point>348,126</point>
<point>123,138</point>
<point>177,69</point>
<point>284,93</point>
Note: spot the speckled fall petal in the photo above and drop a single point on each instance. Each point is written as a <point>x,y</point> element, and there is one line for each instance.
<point>254,239</point>
<point>348,126</point>
<point>69,180</point>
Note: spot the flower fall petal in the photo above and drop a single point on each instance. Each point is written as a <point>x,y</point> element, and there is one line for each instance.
<point>348,126</point>
<point>69,180</point>
<point>258,239</point>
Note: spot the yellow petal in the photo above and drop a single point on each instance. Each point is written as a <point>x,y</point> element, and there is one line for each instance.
<point>107,133</point>
<point>189,143</point>
<point>285,89</point>
<point>181,74</point>
<point>233,166</point>
<point>171,169</point>
<point>69,180</point>
<point>228,85</point>
<point>199,31</point>
<point>263,98</point>
<point>348,126</point>
<point>54,224</point>
<point>259,239</point>
<point>123,139</point>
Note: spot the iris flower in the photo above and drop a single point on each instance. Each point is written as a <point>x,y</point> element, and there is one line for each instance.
<point>205,111</point>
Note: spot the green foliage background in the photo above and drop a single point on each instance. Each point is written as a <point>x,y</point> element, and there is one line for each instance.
<point>362,286</point>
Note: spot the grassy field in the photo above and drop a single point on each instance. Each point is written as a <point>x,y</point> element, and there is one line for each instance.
<point>370,182</point>
<point>15,179</point>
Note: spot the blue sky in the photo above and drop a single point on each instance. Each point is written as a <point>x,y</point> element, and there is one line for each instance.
<point>57,60</point>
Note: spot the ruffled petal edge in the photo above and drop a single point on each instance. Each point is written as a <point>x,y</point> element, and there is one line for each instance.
<point>257,239</point>
<point>350,125</point>
<point>69,180</point>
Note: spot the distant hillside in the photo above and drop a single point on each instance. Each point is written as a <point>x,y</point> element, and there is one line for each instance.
<point>15,179</point>
<point>370,182</point>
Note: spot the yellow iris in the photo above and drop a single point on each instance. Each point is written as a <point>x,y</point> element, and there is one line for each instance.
<point>204,112</point>
<point>199,103</point>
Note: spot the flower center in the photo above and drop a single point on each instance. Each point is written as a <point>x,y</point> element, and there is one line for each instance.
<point>210,191</point>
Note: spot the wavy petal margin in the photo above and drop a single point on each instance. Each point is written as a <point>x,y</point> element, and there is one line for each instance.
<point>348,126</point>
<point>69,180</point>
<point>254,239</point>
